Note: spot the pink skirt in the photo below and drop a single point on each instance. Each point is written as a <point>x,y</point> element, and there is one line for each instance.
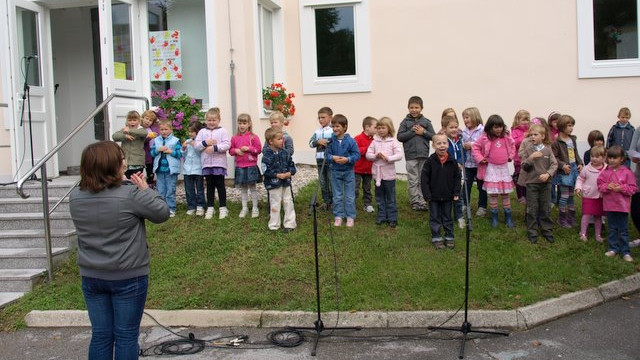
<point>497,179</point>
<point>592,207</point>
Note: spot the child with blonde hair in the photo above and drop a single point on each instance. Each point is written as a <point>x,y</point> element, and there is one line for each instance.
<point>473,130</point>
<point>519,128</point>
<point>384,151</point>
<point>167,151</point>
<point>451,130</point>
<point>131,139</point>
<point>150,123</point>
<point>245,147</point>
<point>276,120</point>
<point>213,143</point>
<point>565,149</point>
<point>587,187</point>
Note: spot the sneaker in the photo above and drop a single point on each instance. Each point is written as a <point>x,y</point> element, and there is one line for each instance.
<point>191,212</point>
<point>450,244</point>
<point>350,222</point>
<point>393,224</point>
<point>243,212</point>
<point>172,214</point>
<point>481,212</point>
<point>627,258</point>
<point>210,212</point>
<point>461,223</point>
<point>199,211</point>
<point>255,213</point>
<point>610,253</point>
<point>223,212</point>
<point>634,243</point>
<point>549,238</point>
<point>439,245</point>
<point>369,209</point>
<point>600,239</point>
<point>338,221</point>
<point>287,230</point>
<point>583,237</point>
<point>533,239</point>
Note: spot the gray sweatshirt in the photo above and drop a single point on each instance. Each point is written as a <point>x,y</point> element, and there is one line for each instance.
<point>112,239</point>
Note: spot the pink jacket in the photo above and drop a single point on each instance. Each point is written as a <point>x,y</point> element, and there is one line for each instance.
<point>213,156</point>
<point>481,148</point>
<point>250,158</point>
<point>518,134</point>
<point>384,170</point>
<point>617,201</point>
<point>588,182</point>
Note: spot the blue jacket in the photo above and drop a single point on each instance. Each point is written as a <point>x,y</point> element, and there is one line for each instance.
<point>456,150</point>
<point>276,163</point>
<point>620,135</point>
<point>171,142</point>
<point>346,147</point>
<point>191,164</point>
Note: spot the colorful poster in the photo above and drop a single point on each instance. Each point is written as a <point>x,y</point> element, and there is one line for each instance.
<point>165,52</point>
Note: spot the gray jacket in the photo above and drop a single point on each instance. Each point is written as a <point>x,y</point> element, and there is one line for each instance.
<point>415,146</point>
<point>112,239</point>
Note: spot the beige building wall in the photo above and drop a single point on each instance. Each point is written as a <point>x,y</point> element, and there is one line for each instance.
<point>5,140</point>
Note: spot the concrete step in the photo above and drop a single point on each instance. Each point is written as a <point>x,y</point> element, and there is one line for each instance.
<point>7,298</point>
<point>34,238</point>
<point>19,280</point>
<point>31,258</point>
<point>32,204</point>
<point>57,187</point>
<point>16,221</point>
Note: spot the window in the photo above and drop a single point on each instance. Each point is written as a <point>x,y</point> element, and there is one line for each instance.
<point>608,38</point>
<point>335,47</point>
<point>269,44</point>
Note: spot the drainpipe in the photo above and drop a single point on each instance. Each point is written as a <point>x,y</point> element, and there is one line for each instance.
<point>232,76</point>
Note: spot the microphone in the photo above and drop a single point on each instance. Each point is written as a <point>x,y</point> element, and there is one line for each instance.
<point>31,57</point>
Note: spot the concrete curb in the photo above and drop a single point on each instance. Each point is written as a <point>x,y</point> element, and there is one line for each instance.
<point>519,319</point>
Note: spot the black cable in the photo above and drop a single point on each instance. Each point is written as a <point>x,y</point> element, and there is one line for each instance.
<point>288,337</point>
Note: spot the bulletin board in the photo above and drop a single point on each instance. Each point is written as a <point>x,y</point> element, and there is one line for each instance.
<point>166,55</point>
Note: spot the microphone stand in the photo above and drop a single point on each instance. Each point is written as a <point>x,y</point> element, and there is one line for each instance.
<point>466,325</point>
<point>26,97</point>
<point>318,324</point>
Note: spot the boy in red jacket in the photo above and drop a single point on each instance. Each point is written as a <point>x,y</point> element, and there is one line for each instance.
<point>362,167</point>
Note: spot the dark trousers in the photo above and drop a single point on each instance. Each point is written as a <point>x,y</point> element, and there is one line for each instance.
<point>150,174</point>
<point>194,191</point>
<point>386,200</point>
<point>324,178</point>
<point>618,234</point>
<point>365,180</point>
<point>471,176</point>
<point>440,218</point>
<point>216,182</point>
<point>538,209</point>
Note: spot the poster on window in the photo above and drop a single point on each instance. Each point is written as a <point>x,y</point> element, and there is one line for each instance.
<point>166,60</point>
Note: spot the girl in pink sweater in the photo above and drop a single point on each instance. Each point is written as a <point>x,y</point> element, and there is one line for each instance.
<point>245,147</point>
<point>587,187</point>
<point>384,151</point>
<point>519,128</point>
<point>493,151</point>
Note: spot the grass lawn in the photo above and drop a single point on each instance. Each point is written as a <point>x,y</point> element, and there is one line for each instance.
<point>239,264</point>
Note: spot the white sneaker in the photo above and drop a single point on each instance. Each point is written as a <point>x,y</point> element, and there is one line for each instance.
<point>172,214</point>
<point>242,214</point>
<point>199,211</point>
<point>191,212</point>
<point>481,212</point>
<point>634,243</point>
<point>369,209</point>
<point>461,223</point>
<point>255,213</point>
<point>223,212</point>
<point>210,212</point>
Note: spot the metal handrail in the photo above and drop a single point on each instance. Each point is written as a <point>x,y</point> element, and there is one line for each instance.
<point>43,172</point>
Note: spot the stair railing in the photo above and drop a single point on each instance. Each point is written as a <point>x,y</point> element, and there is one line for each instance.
<point>41,165</point>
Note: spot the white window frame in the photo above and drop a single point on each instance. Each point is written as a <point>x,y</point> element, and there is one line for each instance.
<point>277,27</point>
<point>588,66</point>
<point>311,82</point>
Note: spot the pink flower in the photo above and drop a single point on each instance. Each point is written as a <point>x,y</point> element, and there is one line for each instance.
<point>192,102</point>
<point>180,115</point>
<point>171,93</point>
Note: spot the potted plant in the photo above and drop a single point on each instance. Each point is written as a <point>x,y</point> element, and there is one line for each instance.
<point>275,97</point>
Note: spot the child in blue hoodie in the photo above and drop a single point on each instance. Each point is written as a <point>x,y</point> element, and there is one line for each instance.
<point>166,151</point>
<point>192,172</point>
<point>342,154</point>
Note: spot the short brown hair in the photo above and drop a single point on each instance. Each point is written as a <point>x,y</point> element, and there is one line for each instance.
<point>447,119</point>
<point>325,110</point>
<point>415,100</point>
<point>564,121</point>
<point>624,111</point>
<point>340,120</point>
<point>133,115</point>
<point>101,166</point>
<point>166,122</point>
<point>595,135</point>
<point>615,152</point>
<point>150,114</point>
<point>271,134</point>
<point>546,139</point>
<point>368,121</point>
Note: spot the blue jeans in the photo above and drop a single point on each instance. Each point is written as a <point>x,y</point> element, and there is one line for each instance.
<point>194,191</point>
<point>115,310</point>
<point>166,185</point>
<point>386,200</point>
<point>324,178</point>
<point>440,219</point>
<point>343,184</point>
<point>618,236</point>
<point>471,175</point>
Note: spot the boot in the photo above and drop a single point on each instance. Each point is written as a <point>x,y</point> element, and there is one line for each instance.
<point>508,219</point>
<point>571,218</point>
<point>562,219</point>
<point>494,217</point>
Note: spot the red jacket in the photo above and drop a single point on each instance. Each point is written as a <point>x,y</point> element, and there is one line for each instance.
<point>363,166</point>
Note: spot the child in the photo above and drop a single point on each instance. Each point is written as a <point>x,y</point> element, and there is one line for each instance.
<point>150,123</point>
<point>166,152</point>
<point>362,167</point>
<point>493,151</point>
<point>276,119</point>
<point>342,154</point>
<point>384,151</point>
<point>131,139</point>
<point>587,187</point>
<point>279,168</point>
<point>595,138</point>
<point>414,133</point>
<point>621,132</point>
<point>213,143</point>
<point>450,127</point>
<point>246,147</point>
<point>565,149</point>
<point>519,128</point>
<point>538,165</point>
<point>319,140</point>
<point>473,129</point>
<point>552,120</point>
<point>440,183</point>
<point>617,183</point>
<point>192,172</point>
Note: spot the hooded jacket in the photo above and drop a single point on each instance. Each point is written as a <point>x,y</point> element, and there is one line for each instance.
<point>390,147</point>
<point>415,146</point>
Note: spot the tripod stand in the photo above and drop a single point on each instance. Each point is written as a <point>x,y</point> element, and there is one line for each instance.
<point>318,324</point>
<point>26,97</point>
<point>466,325</point>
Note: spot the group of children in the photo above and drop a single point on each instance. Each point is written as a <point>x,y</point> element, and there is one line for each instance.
<point>547,169</point>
